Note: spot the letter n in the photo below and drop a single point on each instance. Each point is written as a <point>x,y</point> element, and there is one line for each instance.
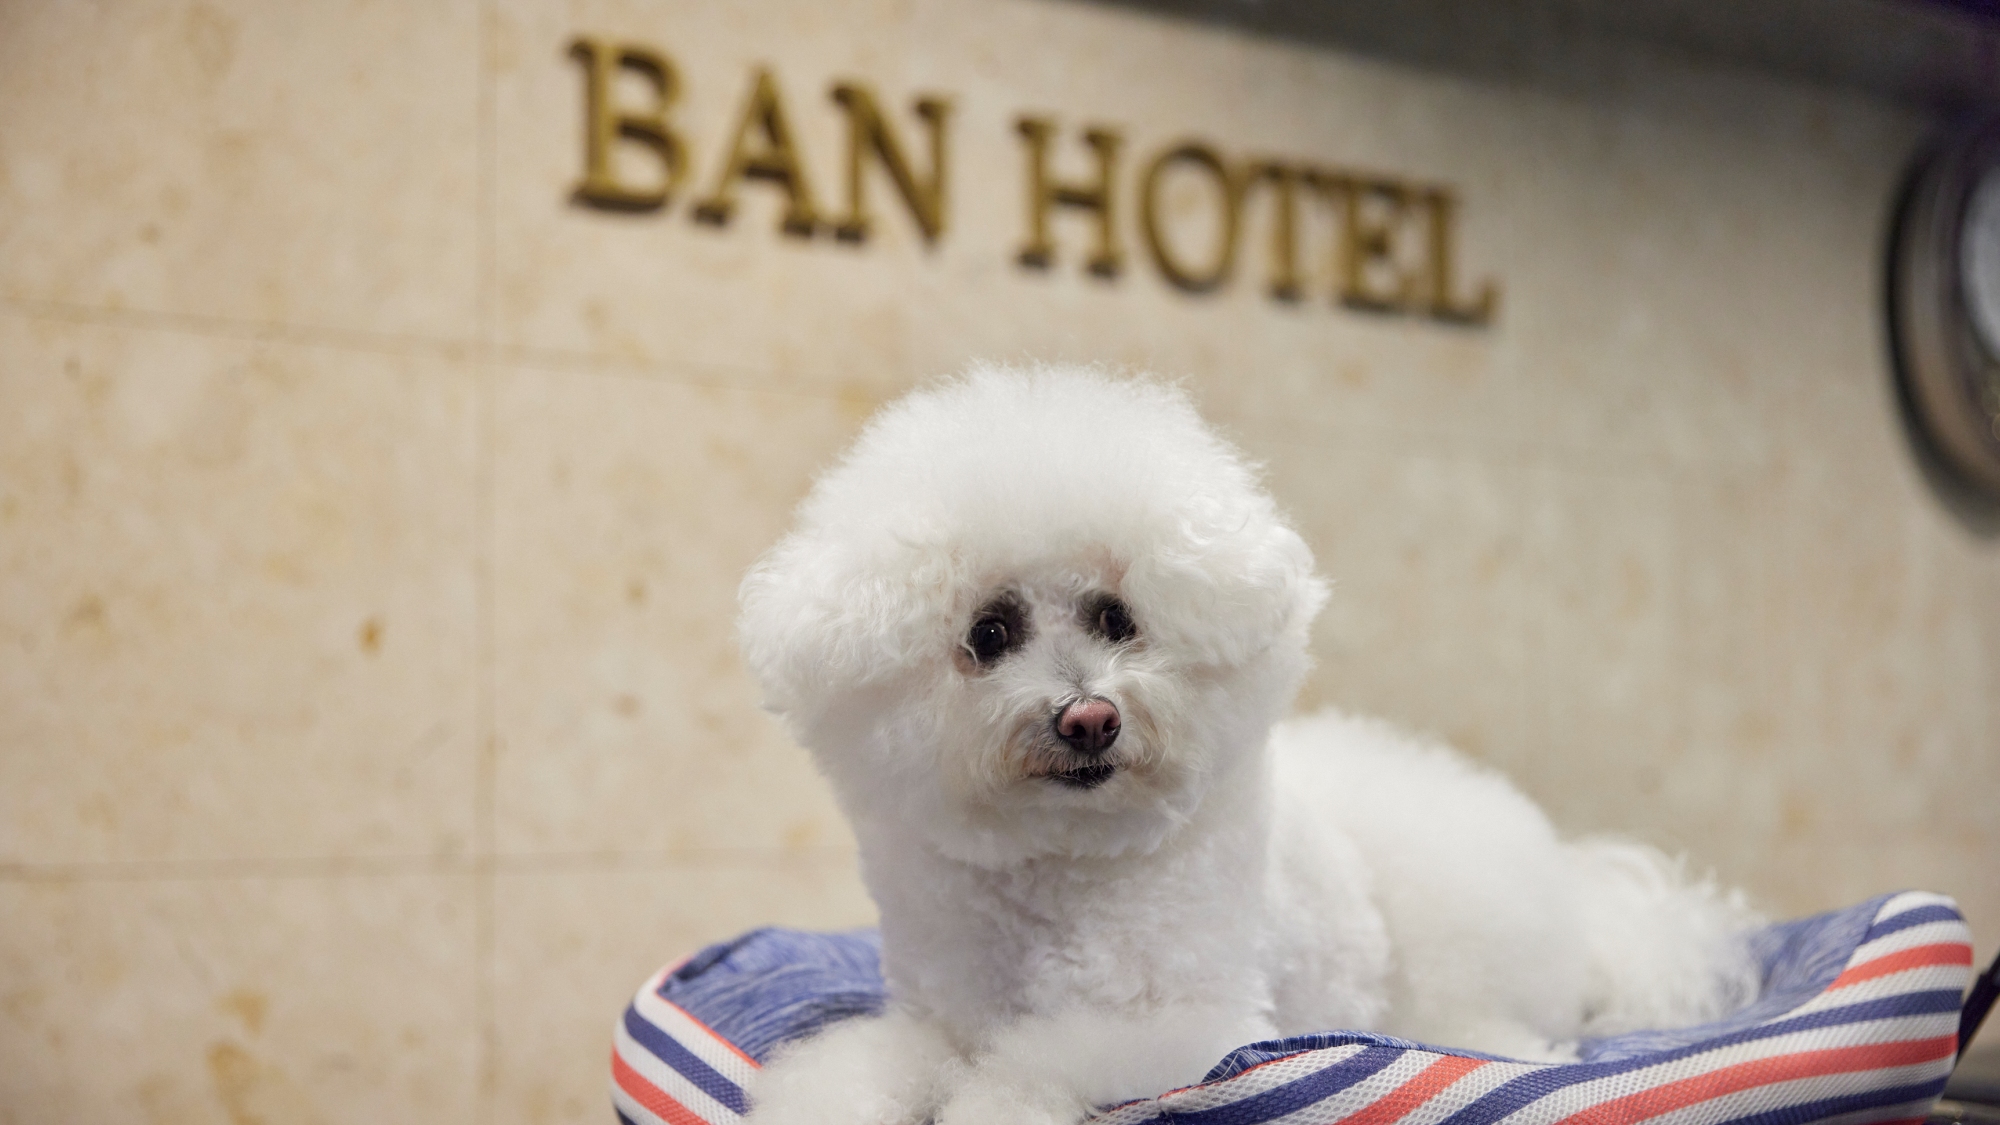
<point>868,132</point>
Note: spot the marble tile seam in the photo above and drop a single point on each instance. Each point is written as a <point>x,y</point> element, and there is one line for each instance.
<point>1521,449</point>
<point>1561,460</point>
<point>693,374</point>
<point>485,787</point>
<point>1524,449</point>
<point>486,233</point>
<point>251,331</point>
<point>704,374</point>
<point>345,867</point>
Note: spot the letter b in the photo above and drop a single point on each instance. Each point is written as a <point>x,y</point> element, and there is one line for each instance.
<point>605,126</point>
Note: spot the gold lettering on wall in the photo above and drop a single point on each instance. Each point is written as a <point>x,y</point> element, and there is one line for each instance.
<point>1374,243</point>
<point>605,125</point>
<point>868,132</point>
<point>1442,203</point>
<point>772,155</point>
<point>1370,272</point>
<point>1222,259</point>
<point>1098,197</point>
<point>1285,181</point>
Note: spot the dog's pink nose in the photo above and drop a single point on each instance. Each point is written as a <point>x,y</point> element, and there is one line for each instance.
<point>1089,725</point>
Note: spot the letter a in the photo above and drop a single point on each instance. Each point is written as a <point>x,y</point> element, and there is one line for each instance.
<point>776,159</point>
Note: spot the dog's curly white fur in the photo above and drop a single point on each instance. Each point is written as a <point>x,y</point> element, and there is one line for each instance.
<point>1038,628</point>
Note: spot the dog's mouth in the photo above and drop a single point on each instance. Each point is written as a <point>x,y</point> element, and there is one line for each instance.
<point>1084,777</point>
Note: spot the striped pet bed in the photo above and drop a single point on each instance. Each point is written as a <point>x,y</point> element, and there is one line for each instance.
<point>1856,1023</point>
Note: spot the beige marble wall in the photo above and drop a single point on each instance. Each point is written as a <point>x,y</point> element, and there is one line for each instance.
<point>370,515</point>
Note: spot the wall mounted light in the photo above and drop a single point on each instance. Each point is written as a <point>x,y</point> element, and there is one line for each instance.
<point>1944,302</point>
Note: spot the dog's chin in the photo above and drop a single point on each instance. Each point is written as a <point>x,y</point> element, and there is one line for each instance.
<point>1056,770</point>
<point>1083,778</point>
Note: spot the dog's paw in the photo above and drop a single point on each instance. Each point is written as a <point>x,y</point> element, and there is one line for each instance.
<point>1509,1039</point>
<point>985,1100</point>
<point>869,1071</point>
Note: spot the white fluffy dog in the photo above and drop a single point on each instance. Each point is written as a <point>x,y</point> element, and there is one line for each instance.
<point>1038,628</point>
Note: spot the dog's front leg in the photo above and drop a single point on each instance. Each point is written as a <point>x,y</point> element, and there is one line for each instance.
<point>883,1070</point>
<point>1057,1070</point>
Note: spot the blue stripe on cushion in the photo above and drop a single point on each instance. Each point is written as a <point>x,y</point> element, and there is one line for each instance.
<point>1294,1095</point>
<point>773,985</point>
<point>668,1050</point>
<point>1512,1095</point>
<point>1918,917</point>
<point>1889,1007</point>
<point>1829,1107</point>
<point>1270,1050</point>
<point>1517,1092</point>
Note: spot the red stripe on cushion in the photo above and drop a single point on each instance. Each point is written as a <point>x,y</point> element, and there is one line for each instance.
<point>1426,1084</point>
<point>1943,953</point>
<point>652,1097</point>
<point>1762,1072</point>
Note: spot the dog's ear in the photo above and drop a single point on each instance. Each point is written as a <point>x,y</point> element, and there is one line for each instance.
<point>816,620</point>
<point>1227,599</point>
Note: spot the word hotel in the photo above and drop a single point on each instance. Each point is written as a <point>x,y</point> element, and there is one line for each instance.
<point>1392,245</point>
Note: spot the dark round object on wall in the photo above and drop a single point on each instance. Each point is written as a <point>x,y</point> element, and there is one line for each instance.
<point>1944,302</point>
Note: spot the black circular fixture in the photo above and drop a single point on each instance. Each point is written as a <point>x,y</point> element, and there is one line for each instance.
<point>1945,302</point>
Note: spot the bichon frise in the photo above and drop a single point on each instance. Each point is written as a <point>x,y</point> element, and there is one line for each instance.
<point>1038,628</point>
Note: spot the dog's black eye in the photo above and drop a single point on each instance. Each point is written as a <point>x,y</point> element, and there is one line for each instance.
<point>988,639</point>
<point>1112,621</point>
<point>1000,627</point>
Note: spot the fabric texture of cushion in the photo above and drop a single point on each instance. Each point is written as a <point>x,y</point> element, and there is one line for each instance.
<point>1856,1022</point>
